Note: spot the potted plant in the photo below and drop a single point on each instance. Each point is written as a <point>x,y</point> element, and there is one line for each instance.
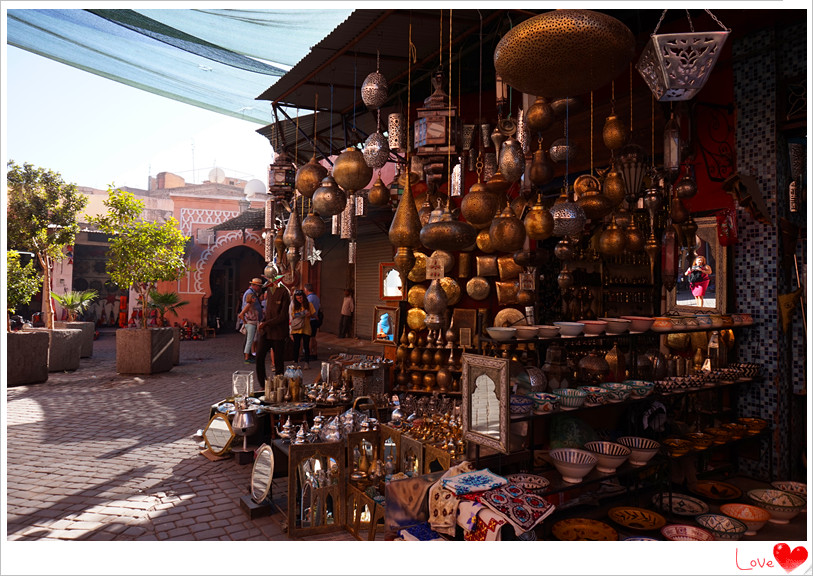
<point>75,303</point>
<point>163,303</point>
<point>29,349</point>
<point>42,218</point>
<point>141,254</point>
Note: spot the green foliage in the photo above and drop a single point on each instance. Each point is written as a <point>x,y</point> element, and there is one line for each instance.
<point>165,302</point>
<point>22,282</point>
<point>141,253</point>
<point>75,302</point>
<point>42,218</point>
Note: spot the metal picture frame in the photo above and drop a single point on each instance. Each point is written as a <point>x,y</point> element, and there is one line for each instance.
<point>486,408</point>
<point>385,329</point>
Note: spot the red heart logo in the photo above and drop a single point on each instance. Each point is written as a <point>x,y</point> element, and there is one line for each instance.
<point>789,559</point>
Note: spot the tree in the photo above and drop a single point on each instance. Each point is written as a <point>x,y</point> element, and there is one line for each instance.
<point>22,282</point>
<point>75,302</point>
<point>165,302</point>
<point>141,253</point>
<point>42,218</point>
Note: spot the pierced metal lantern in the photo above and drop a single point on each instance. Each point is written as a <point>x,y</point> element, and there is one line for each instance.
<point>376,150</point>
<point>614,133</point>
<point>442,232</point>
<point>350,170</point>
<point>538,221</point>
<point>612,240</point>
<point>677,66</point>
<point>395,132</point>
<point>479,206</point>
<point>293,235</point>
<point>562,151</point>
<point>512,160</point>
<point>378,194</point>
<point>507,232</point>
<point>632,165</point>
<point>313,226</point>
<point>374,90</point>
<point>329,199</point>
<point>540,116</point>
<point>568,218</point>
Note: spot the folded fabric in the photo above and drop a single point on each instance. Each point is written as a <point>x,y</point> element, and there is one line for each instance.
<point>477,481</point>
<point>443,502</point>
<point>523,510</point>
<point>467,514</point>
<point>487,527</point>
<point>420,532</point>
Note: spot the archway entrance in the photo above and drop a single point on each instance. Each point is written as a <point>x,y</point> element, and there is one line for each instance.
<point>229,278</point>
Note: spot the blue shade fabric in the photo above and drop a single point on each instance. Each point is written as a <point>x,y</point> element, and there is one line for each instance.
<point>219,60</point>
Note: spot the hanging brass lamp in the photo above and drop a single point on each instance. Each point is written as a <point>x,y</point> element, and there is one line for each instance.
<point>538,221</point>
<point>376,151</point>
<point>404,233</point>
<point>293,236</point>
<point>631,163</point>
<point>378,194</point>
<point>313,226</point>
<point>479,206</point>
<point>541,168</point>
<point>309,177</point>
<point>435,303</point>
<point>634,238</point>
<point>612,240</point>
<point>568,217</point>
<point>350,170</point>
<point>443,232</point>
<point>595,205</point>
<point>540,116</point>
<point>613,186</point>
<point>507,231</point>
<point>512,160</point>
<point>329,199</point>
<point>614,133</point>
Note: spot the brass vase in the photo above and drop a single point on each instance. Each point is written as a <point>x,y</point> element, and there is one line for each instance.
<point>507,232</point>
<point>309,177</point>
<point>478,206</point>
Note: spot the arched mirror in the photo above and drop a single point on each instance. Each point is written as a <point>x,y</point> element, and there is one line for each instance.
<point>389,282</point>
<point>262,473</point>
<point>315,492</point>
<point>485,401</point>
<point>218,434</point>
<point>702,274</point>
<point>390,449</point>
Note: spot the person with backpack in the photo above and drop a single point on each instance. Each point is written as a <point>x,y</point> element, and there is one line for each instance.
<point>316,319</point>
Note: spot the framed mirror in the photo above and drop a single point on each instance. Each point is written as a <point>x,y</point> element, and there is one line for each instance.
<point>316,489</point>
<point>218,434</point>
<point>262,473</point>
<point>708,293</point>
<point>389,282</point>
<point>485,401</point>
<point>411,456</point>
<point>385,327</point>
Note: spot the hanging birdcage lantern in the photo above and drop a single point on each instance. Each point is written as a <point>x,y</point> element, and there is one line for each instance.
<point>677,66</point>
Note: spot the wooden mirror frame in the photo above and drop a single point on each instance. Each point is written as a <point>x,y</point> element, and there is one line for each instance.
<point>497,369</point>
<point>298,453</point>
<point>409,444</point>
<point>260,487</point>
<point>228,442</point>
<point>393,312</point>
<point>707,230</point>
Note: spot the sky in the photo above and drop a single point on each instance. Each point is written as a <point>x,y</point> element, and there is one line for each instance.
<point>92,130</point>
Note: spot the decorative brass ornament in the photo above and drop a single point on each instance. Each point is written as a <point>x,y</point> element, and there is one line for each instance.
<point>634,240</point>
<point>679,341</point>
<point>293,235</point>
<point>564,52</point>
<point>498,185</point>
<point>614,133</point>
<point>464,265</point>
<point>484,241</point>
<point>478,206</point>
<point>595,205</point>
<point>526,297</point>
<point>350,171</point>
<point>293,256</point>
<point>509,270</point>
<point>539,116</point>
<point>617,363</point>
<point>613,187</point>
<point>404,261</point>
<point>478,288</point>
<point>686,187</point>
<point>564,249</point>
<point>651,247</point>
<point>623,217</point>
<point>562,151</point>
<point>446,258</point>
<point>507,232</point>
<point>378,194</point>
<point>522,258</point>
<point>678,211</point>
<point>486,265</point>
<point>309,177</point>
<point>541,171</point>
<point>612,240</point>
<point>425,211</point>
<point>406,227</point>
<point>374,90</point>
<point>512,160</point>
<point>416,318</point>
<point>442,232</point>
<point>418,272</point>
<point>565,278</point>
<point>329,199</point>
<point>376,150</point>
<point>518,205</point>
<point>415,295</point>
<point>632,165</point>
<point>507,293</point>
<point>568,218</point>
<point>313,226</point>
<point>435,304</point>
<point>538,221</point>
<point>452,290</point>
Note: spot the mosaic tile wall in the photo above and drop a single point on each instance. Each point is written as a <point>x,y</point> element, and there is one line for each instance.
<point>762,153</point>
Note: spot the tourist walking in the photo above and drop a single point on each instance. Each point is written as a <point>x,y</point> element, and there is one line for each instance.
<point>316,319</point>
<point>250,318</point>
<point>346,320</point>
<point>273,330</point>
<point>301,313</point>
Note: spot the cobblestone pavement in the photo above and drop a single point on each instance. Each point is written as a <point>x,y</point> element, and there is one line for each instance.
<point>94,455</point>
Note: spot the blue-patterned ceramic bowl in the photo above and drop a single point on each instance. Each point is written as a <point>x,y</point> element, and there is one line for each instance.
<point>594,395</point>
<point>641,449</point>
<point>640,388</point>
<point>545,402</point>
<point>520,405</point>
<point>722,527</point>
<point>616,391</point>
<point>570,398</point>
<point>610,455</point>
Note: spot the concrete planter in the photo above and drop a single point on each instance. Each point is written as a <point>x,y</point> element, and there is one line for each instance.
<point>27,357</point>
<point>64,348</point>
<point>176,345</point>
<point>88,331</point>
<point>144,351</point>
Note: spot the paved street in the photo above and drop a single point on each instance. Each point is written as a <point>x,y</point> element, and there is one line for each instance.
<point>93,455</point>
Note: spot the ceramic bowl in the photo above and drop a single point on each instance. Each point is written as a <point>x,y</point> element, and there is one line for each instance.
<point>783,506</point>
<point>501,334</point>
<point>544,402</point>
<point>639,324</point>
<point>661,324</point>
<point>677,532</point>
<point>699,440</point>
<point>593,327</point>
<point>594,395</point>
<point>754,426</point>
<point>547,331</point>
<point>640,388</point>
<point>526,332</point>
<point>610,455</point>
<point>570,398</point>
<point>573,464</point>
<point>677,447</point>
<point>520,405</point>
<point>722,527</point>
<point>735,430</point>
<point>569,329</point>
<point>641,449</point>
<point>616,325</point>
<point>636,518</point>
<point>616,391</point>
<point>679,504</point>
<point>790,486</point>
<point>753,517</point>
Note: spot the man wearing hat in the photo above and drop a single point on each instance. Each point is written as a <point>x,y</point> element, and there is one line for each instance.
<point>273,330</point>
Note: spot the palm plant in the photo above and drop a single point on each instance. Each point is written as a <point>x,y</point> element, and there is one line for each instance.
<point>165,302</point>
<point>75,302</point>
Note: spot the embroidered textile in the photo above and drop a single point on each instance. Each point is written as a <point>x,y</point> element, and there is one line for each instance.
<point>488,527</point>
<point>477,481</point>
<point>443,502</point>
<point>524,510</point>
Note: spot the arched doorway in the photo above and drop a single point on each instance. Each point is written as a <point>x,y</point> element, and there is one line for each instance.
<point>228,279</point>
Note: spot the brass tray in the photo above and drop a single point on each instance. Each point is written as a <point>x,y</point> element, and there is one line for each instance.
<point>509,317</point>
<point>583,529</point>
